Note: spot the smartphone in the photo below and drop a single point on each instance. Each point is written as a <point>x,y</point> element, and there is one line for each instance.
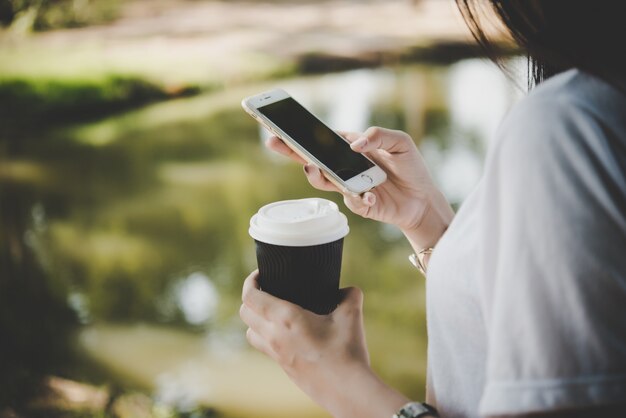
<point>314,141</point>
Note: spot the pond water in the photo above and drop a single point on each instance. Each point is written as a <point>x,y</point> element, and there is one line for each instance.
<point>139,225</point>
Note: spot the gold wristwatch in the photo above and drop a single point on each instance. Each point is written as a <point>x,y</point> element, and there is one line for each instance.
<point>418,259</point>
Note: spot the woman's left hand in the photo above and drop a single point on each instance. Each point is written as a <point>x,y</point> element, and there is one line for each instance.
<point>321,354</point>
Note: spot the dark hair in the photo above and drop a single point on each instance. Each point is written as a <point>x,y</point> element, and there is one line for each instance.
<point>557,35</point>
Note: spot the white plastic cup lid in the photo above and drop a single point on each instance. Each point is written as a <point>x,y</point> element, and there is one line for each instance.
<point>299,223</point>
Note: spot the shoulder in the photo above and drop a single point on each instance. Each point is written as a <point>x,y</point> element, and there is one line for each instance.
<point>570,119</point>
<point>552,237</point>
<point>574,92</point>
<point>559,159</point>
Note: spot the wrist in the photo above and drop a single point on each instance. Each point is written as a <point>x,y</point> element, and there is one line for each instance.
<point>436,218</point>
<point>363,394</point>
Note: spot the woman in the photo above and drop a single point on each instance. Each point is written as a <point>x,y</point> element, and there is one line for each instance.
<point>526,288</point>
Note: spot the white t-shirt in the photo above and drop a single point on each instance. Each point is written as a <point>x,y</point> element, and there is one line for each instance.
<point>526,291</point>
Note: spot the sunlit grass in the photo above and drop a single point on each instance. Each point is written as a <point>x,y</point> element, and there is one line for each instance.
<point>22,171</point>
<point>103,251</point>
<point>59,85</point>
<point>204,174</point>
<point>239,383</point>
<point>91,61</point>
<point>198,110</point>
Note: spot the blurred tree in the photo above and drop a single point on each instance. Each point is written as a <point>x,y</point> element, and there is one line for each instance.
<point>51,14</point>
<point>6,12</point>
<point>35,322</point>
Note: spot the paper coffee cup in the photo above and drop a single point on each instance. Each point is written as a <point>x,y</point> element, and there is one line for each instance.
<point>299,245</point>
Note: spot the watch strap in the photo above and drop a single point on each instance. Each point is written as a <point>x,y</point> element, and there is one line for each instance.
<point>416,410</point>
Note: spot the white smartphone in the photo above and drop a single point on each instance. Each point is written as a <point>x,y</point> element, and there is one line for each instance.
<point>315,142</point>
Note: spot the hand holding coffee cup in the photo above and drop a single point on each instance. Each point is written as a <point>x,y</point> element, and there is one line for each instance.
<point>299,245</point>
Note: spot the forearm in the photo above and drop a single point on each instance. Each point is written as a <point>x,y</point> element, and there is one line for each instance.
<point>364,395</point>
<point>437,217</point>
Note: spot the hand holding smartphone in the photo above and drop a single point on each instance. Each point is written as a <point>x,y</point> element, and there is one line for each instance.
<point>314,141</point>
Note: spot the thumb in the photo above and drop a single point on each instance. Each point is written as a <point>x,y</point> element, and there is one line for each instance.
<point>383,139</point>
<point>351,301</point>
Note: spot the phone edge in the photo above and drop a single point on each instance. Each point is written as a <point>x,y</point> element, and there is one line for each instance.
<point>303,153</point>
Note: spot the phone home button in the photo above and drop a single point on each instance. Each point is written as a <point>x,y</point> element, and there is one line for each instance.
<point>367,178</point>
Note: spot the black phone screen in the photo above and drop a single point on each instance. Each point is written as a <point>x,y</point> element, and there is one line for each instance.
<point>318,139</point>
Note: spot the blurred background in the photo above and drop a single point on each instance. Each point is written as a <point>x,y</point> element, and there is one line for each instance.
<point>129,172</point>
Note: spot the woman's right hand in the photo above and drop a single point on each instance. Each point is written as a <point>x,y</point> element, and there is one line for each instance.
<point>408,199</point>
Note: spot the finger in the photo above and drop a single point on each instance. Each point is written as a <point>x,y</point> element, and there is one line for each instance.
<point>267,306</point>
<point>350,136</point>
<point>251,294</point>
<point>276,144</point>
<point>382,139</point>
<point>369,199</point>
<point>251,283</point>
<point>355,204</point>
<point>254,321</point>
<point>360,204</point>
<point>260,344</point>
<point>351,300</point>
<point>318,180</point>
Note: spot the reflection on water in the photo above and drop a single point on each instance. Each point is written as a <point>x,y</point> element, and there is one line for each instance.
<point>197,298</point>
<point>184,369</point>
<point>141,220</point>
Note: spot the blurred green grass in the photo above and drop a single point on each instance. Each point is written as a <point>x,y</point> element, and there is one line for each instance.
<point>52,102</point>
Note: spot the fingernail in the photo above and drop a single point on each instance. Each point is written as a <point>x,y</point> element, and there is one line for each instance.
<point>370,199</point>
<point>359,143</point>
